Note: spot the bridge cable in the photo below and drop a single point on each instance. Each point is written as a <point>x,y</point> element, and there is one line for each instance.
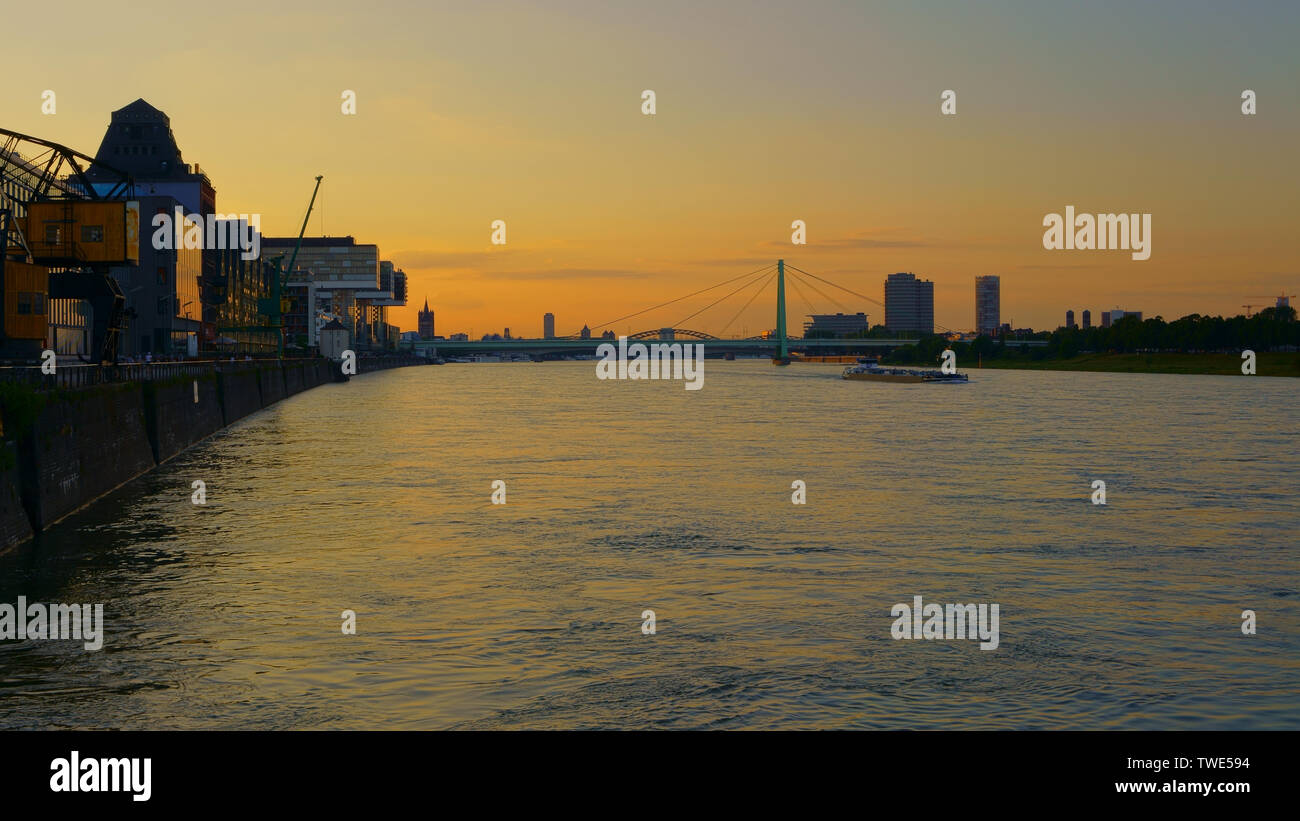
<point>806,301</point>
<point>841,287</point>
<point>861,296</point>
<point>680,298</point>
<point>760,290</point>
<point>821,293</point>
<point>716,301</point>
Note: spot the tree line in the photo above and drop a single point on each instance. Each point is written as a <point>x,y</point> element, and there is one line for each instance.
<point>1270,329</point>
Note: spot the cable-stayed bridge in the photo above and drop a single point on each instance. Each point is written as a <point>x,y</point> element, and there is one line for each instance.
<point>778,344</point>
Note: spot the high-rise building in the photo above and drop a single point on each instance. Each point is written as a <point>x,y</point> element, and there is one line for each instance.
<point>988,304</point>
<point>909,303</point>
<point>1116,315</point>
<point>1105,319</point>
<point>1069,319</point>
<point>585,333</point>
<point>1087,319</point>
<point>426,321</point>
<point>548,326</point>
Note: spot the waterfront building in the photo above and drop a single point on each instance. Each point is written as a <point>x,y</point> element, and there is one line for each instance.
<point>335,338</point>
<point>834,325</point>
<point>139,141</point>
<point>238,297</point>
<point>585,333</point>
<point>909,303</point>
<point>340,278</point>
<point>392,294</point>
<point>988,304</point>
<point>548,326</point>
<point>163,294</point>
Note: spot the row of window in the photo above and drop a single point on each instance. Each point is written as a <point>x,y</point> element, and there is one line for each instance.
<point>89,233</point>
<point>138,149</point>
<point>31,302</point>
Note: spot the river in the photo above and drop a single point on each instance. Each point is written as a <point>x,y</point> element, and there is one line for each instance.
<point>376,496</point>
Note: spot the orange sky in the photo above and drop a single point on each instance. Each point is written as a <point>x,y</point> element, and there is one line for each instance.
<point>767,113</point>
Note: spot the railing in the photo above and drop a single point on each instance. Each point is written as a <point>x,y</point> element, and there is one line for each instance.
<point>84,376</point>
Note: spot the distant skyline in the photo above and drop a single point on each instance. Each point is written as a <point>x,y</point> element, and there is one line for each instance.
<point>766,114</point>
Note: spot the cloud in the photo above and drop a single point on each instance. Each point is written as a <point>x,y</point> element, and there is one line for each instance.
<point>566,273</point>
<point>1058,267</point>
<point>455,260</point>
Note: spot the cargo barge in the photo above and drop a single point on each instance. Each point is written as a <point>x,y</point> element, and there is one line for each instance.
<point>874,372</point>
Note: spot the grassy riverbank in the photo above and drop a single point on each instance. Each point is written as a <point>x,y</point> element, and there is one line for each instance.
<point>1267,364</point>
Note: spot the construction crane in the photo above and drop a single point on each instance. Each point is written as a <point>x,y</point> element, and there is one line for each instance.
<point>60,235</point>
<point>288,269</point>
<point>273,307</point>
<point>1283,300</point>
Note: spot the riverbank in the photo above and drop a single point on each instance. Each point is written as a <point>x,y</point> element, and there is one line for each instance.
<point>1267,364</point>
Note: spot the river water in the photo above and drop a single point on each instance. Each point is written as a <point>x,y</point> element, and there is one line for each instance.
<point>375,496</point>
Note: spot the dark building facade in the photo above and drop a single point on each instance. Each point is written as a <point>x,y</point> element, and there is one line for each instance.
<point>140,142</point>
<point>241,327</point>
<point>988,304</point>
<point>163,294</point>
<point>834,325</point>
<point>909,303</point>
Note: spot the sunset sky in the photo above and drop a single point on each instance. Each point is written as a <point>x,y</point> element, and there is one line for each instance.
<point>766,113</point>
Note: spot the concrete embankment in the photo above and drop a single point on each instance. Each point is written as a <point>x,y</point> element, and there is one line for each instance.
<point>15,528</point>
<point>63,449</point>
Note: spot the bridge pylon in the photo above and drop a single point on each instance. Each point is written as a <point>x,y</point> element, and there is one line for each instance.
<point>783,349</point>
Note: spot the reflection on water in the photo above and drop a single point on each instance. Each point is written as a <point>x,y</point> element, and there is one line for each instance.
<point>624,496</point>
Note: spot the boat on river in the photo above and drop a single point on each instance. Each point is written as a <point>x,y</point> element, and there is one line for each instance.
<point>875,372</point>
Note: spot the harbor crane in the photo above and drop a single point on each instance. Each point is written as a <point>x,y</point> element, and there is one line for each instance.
<point>60,235</point>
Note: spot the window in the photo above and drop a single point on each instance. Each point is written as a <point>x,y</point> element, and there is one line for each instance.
<point>24,303</point>
<point>38,302</point>
<point>92,233</point>
<point>53,234</point>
